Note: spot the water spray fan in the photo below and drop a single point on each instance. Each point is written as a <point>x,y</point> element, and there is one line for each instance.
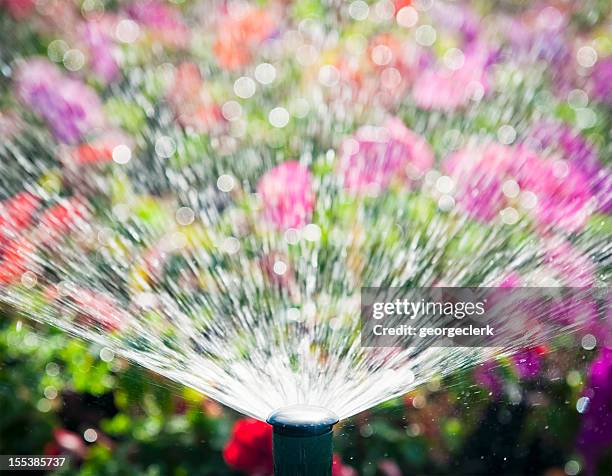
<point>185,189</point>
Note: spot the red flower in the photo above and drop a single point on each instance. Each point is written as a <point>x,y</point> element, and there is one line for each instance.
<point>239,35</point>
<point>15,259</point>
<point>339,469</point>
<point>93,153</point>
<point>59,219</point>
<point>16,214</point>
<point>17,211</point>
<point>250,447</point>
<point>67,441</point>
<point>19,9</point>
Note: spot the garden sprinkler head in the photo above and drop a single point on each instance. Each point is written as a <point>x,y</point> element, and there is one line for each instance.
<point>302,440</point>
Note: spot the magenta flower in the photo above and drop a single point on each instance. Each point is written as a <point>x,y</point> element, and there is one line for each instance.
<point>447,89</point>
<point>375,156</point>
<point>69,107</point>
<point>287,195</point>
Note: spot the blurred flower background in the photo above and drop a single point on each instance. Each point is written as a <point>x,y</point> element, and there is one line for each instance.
<point>540,412</point>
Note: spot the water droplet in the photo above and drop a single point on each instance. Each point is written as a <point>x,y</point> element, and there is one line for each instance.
<point>279,117</point>
<point>382,55</point>
<point>127,31</point>
<point>426,35</point>
<point>586,56</point>
<point>589,342</point>
<point>265,73</point>
<point>445,184</point>
<point>506,134</point>
<point>121,154</point>
<point>29,279</point>
<point>90,435</point>
<point>582,404</point>
<point>50,392</point>
<point>225,183</point>
<point>231,245</point>
<point>312,232</point>
<point>185,216</point>
<point>106,354</point>
<point>74,60</point>
<point>572,468</point>
<point>446,203</point>
<point>359,10</point>
<point>280,267</point>
<point>407,17</point>
<point>244,87</point>
<point>231,110</point>
<point>329,75</point>
<point>454,59</point>
<point>56,50</point>
<point>511,188</point>
<point>165,147</point>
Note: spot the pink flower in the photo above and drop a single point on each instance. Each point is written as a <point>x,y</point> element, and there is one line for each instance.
<point>375,156</point>
<point>287,196</point>
<point>445,89</point>
<point>573,267</point>
<point>70,108</point>
<point>479,174</point>
<point>163,22</point>
<point>561,190</point>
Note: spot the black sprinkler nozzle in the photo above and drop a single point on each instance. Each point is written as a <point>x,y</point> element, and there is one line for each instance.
<point>302,440</point>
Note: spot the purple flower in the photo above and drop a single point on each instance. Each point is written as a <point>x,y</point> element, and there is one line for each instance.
<point>69,107</point>
<point>528,362</point>
<point>486,376</point>
<point>601,80</point>
<point>595,435</point>
<point>100,46</point>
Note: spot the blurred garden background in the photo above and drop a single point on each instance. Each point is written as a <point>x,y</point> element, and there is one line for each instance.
<point>540,413</point>
<point>171,95</point>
